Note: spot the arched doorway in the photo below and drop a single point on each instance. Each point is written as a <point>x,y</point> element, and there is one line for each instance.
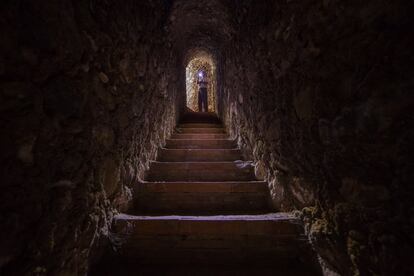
<point>201,63</point>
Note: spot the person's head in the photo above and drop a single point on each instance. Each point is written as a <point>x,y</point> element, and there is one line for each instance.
<point>202,75</point>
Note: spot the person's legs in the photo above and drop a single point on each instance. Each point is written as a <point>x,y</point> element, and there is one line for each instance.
<point>204,99</point>
<point>200,101</point>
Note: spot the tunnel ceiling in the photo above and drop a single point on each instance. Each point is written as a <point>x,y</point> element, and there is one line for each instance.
<point>200,24</point>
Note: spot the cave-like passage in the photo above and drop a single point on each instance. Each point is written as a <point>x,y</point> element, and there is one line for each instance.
<point>317,95</point>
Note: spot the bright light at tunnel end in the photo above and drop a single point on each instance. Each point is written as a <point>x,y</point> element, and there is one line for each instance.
<point>199,65</point>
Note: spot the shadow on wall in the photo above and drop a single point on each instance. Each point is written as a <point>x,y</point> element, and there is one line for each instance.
<point>201,61</point>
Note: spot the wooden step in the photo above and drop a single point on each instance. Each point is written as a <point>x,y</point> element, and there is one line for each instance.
<point>200,130</point>
<point>200,144</point>
<point>200,171</point>
<point>198,155</point>
<point>199,125</point>
<point>199,136</point>
<point>256,239</point>
<point>201,197</point>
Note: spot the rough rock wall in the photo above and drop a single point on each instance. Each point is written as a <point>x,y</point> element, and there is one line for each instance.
<point>321,93</point>
<point>88,92</point>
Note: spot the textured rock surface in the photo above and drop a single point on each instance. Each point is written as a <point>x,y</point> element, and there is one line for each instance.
<point>321,94</point>
<point>85,102</point>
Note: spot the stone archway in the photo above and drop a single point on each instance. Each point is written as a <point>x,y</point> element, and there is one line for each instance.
<point>201,60</point>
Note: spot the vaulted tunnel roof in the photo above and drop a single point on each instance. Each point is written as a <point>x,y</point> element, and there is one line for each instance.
<point>203,24</point>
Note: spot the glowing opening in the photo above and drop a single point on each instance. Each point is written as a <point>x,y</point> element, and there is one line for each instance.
<point>201,66</point>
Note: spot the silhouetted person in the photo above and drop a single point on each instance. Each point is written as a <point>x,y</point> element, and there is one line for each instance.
<point>202,92</point>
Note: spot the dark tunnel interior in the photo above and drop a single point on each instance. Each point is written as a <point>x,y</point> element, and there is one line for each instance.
<point>315,95</point>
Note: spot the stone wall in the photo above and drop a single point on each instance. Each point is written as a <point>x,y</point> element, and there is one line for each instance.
<point>88,92</point>
<point>321,93</point>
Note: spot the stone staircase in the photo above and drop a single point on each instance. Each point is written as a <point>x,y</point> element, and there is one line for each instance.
<point>201,211</point>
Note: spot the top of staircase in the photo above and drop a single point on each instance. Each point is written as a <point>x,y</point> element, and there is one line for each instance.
<point>200,117</point>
